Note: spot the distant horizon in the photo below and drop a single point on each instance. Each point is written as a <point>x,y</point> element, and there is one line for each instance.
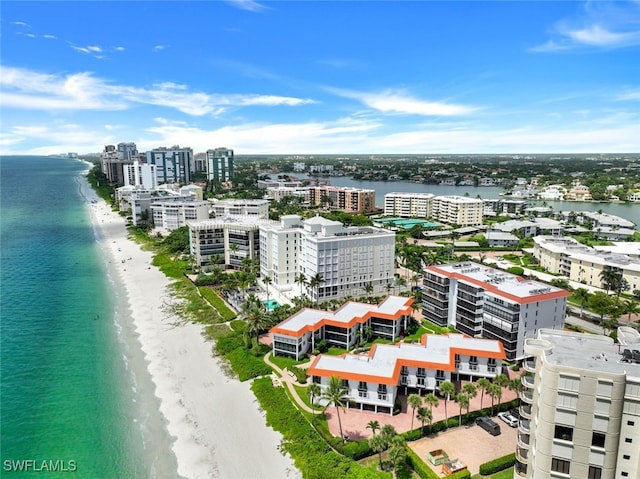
<point>262,77</point>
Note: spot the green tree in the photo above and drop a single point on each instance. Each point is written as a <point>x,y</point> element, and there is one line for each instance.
<point>582,296</point>
<point>610,277</point>
<point>374,426</point>
<point>470,390</point>
<point>313,390</point>
<point>601,303</point>
<point>397,452</point>
<point>424,415</point>
<point>631,307</point>
<point>494,390</point>
<point>336,395</point>
<point>414,401</point>
<point>483,386</point>
<point>256,323</point>
<point>463,403</point>
<point>447,389</point>
<point>432,401</point>
<point>314,283</point>
<point>301,279</point>
<point>368,288</point>
<point>267,281</point>
<point>378,444</point>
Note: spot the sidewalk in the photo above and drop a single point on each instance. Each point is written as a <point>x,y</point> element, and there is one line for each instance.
<point>289,380</point>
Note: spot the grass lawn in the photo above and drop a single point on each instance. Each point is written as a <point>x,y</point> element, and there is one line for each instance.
<point>286,361</point>
<point>506,474</point>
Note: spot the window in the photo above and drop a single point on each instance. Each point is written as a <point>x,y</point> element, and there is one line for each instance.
<point>630,423</point>
<point>560,465</point>
<point>628,440</point>
<point>563,432</point>
<point>597,439</point>
<point>316,379</point>
<point>420,381</point>
<point>421,372</point>
<point>624,474</point>
<point>594,472</point>
<point>362,386</point>
<point>344,383</point>
<point>626,456</point>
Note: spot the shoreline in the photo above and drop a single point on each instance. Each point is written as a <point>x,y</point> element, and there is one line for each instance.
<point>215,422</point>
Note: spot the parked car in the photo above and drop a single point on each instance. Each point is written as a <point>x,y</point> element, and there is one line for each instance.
<point>508,418</point>
<point>488,425</point>
<point>514,412</point>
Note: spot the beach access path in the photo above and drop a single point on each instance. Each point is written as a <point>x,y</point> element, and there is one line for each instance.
<point>218,428</point>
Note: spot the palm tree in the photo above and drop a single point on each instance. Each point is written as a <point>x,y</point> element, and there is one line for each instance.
<point>374,426</point>
<point>424,415</point>
<point>267,281</point>
<point>256,323</point>
<point>501,380</point>
<point>336,395</point>
<point>397,454</point>
<point>610,277</point>
<point>368,288</point>
<point>483,386</point>
<point>631,307</point>
<point>314,283</point>
<point>313,391</point>
<point>414,401</point>
<point>301,279</point>
<point>470,390</point>
<point>378,444</point>
<point>494,390</point>
<point>463,403</point>
<point>432,401</point>
<point>388,432</point>
<point>582,296</point>
<point>447,389</point>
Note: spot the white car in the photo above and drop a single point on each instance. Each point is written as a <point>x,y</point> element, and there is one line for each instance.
<point>508,418</point>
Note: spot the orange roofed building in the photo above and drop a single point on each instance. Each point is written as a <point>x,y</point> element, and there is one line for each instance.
<point>299,334</point>
<point>373,380</point>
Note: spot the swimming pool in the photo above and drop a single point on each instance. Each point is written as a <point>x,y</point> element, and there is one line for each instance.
<point>271,304</point>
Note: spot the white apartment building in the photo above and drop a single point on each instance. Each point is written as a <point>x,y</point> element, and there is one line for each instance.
<point>584,264</point>
<point>580,407</point>
<point>276,193</point>
<point>172,212</point>
<point>140,174</point>
<point>226,241</point>
<point>240,207</point>
<point>136,201</point>
<point>408,205</point>
<point>458,210</point>
<point>347,258</point>
<point>486,302</point>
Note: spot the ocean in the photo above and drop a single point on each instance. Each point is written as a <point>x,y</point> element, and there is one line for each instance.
<point>75,395</point>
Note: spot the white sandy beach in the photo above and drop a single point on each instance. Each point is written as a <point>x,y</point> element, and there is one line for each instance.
<point>216,422</point>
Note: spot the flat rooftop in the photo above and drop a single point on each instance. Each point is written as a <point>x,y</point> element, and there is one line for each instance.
<point>501,283</point>
<point>384,361</point>
<point>349,314</point>
<point>588,351</point>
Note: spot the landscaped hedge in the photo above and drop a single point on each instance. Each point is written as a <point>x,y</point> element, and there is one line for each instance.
<point>310,453</point>
<point>357,449</point>
<point>246,363</point>
<point>498,464</point>
<point>301,374</point>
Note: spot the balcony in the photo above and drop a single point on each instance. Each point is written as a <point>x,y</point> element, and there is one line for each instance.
<point>524,426</point>
<point>529,365</point>
<point>525,411</point>
<point>527,396</point>
<point>520,469</point>
<point>522,454</point>
<point>523,441</point>
<point>527,381</point>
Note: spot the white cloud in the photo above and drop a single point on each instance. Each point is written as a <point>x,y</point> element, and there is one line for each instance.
<point>629,95</point>
<point>50,37</point>
<point>603,25</point>
<point>248,5</point>
<point>159,48</point>
<point>21,24</point>
<point>119,49</point>
<point>82,91</point>
<point>391,101</point>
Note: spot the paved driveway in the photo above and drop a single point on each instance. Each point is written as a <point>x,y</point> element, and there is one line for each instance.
<point>470,444</point>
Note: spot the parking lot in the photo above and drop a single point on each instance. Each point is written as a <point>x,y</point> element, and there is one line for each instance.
<point>470,444</point>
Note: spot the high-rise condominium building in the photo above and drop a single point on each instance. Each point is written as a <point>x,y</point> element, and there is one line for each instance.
<point>580,407</point>
<point>490,303</point>
<point>407,205</point>
<point>173,165</point>
<point>219,164</point>
<point>352,200</point>
<point>346,258</point>
<point>457,210</point>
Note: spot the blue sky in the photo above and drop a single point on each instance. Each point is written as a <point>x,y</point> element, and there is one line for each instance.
<point>303,77</point>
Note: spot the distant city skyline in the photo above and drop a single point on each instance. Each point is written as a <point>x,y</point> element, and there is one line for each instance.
<point>321,77</point>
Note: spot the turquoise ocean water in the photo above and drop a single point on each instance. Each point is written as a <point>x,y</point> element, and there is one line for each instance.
<point>74,389</point>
